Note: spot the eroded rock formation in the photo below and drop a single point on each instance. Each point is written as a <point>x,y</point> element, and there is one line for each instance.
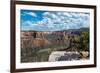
<point>28,39</point>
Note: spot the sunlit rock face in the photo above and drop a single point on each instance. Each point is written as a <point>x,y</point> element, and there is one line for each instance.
<point>40,42</point>
<point>29,38</point>
<point>64,56</point>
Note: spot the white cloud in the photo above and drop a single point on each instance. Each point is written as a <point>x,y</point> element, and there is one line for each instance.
<point>66,20</point>
<point>67,14</point>
<point>29,23</point>
<point>50,15</point>
<point>60,21</point>
<point>31,14</point>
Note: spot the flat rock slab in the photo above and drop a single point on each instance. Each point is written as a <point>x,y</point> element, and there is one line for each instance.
<point>64,56</point>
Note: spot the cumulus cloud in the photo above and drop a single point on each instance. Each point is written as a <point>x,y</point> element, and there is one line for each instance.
<point>30,13</point>
<point>60,21</point>
<point>50,15</point>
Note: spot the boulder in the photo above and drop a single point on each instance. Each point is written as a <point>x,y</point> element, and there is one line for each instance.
<point>84,54</point>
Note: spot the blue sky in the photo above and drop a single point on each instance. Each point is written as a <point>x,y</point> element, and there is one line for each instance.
<point>53,20</point>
